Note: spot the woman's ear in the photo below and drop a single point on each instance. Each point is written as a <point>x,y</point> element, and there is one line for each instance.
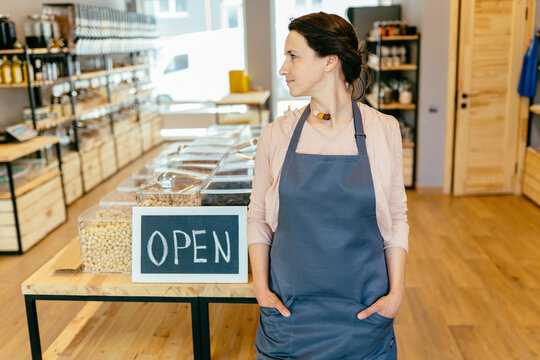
<point>331,62</point>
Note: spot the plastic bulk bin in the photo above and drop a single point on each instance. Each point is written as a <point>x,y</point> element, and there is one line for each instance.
<point>34,166</point>
<point>105,239</point>
<point>227,191</point>
<point>235,169</point>
<point>130,185</point>
<point>120,198</point>
<point>171,188</point>
<point>19,177</point>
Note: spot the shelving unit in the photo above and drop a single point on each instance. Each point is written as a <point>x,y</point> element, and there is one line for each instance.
<point>87,162</point>
<point>29,212</point>
<point>409,112</point>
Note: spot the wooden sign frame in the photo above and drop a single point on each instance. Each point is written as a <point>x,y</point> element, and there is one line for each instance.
<point>240,277</point>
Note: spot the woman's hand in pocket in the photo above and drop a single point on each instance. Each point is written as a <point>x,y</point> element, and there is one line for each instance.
<point>267,298</point>
<point>386,306</point>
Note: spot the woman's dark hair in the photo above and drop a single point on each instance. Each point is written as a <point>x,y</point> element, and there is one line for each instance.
<point>329,34</point>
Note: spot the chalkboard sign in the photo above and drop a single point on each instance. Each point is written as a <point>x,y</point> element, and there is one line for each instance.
<point>204,244</point>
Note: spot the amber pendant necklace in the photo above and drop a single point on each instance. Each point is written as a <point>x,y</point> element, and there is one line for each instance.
<point>322,116</point>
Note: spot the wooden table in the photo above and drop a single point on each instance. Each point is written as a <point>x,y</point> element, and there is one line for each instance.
<point>61,278</point>
<point>251,98</point>
<point>13,151</point>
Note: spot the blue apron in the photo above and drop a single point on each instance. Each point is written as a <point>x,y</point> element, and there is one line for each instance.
<point>327,260</point>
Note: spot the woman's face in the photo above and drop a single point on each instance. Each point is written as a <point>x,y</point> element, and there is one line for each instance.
<point>303,68</point>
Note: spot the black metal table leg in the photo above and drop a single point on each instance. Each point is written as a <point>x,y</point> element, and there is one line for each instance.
<point>204,329</point>
<point>59,156</point>
<point>14,203</point>
<point>195,329</point>
<point>33,327</point>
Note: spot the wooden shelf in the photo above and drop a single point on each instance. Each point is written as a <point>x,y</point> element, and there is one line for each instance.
<point>249,98</point>
<point>408,144</point>
<point>402,67</point>
<point>535,108</point>
<point>35,83</point>
<point>31,184</point>
<point>394,38</point>
<point>11,51</point>
<point>48,124</point>
<point>14,86</point>
<point>100,73</point>
<point>372,100</point>
<point>14,151</point>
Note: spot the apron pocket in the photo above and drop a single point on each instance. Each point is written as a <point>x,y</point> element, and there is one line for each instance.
<point>323,327</point>
<point>273,334</point>
<point>373,335</point>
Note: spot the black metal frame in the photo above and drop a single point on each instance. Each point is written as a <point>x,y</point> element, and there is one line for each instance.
<point>379,43</point>
<point>14,199</point>
<point>200,320</point>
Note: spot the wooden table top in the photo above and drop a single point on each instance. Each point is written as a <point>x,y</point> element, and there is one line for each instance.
<point>62,275</point>
<point>248,98</point>
<point>14,151</point>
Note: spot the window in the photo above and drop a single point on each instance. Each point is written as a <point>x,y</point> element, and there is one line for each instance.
<point>179,62</point>
<point>285,10</point>
<point>170,8</point>
<point>180,6</point>
<point>198,49</point>
<point>163,5</point>
<point>231,14</point>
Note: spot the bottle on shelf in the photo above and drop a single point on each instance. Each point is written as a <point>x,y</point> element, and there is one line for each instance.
<point>38,71</point>
<point>16,70</point>
<point>6,71</point>
<point>8,36</point>
<point>28,71</point>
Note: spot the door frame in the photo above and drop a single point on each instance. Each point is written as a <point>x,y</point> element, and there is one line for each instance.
<point>451,96</point>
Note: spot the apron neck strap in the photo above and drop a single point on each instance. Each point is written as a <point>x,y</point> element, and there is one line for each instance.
<point>359,134</point>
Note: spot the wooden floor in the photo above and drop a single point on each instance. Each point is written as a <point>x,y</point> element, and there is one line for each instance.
<point>473,292</point>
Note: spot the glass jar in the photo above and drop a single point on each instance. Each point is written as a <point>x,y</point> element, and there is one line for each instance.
<point>405,93</point>
<point>38,31</point>
<point>8,36</point>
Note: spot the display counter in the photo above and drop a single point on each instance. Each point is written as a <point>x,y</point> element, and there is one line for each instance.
<point>61,278</point>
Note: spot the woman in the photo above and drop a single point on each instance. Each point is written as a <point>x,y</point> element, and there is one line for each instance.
<point>327,224</point>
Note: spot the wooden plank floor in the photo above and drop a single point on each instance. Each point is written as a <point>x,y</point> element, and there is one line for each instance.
<point>473,292</point>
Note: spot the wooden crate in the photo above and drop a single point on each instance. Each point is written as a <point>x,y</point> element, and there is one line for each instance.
<point>107,158</point>
<point>147,137</point>
<point>73,190</point>
<point>135,143</point>
<point>71,171</point>
<point>91,167</point>
<point>71,166</point>
<point>531,175</point>
<point>408,163</point>
<point>157,124</point>
<point>40,210</point>
<point>123,149</point>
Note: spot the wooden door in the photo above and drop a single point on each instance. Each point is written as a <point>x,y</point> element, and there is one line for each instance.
<point>490,55</point>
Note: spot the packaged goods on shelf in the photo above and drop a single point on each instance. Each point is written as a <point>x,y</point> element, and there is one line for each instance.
<point>227,191</point>
<point>172,188</point>
<point>105,239</point>
<point>119,198</point>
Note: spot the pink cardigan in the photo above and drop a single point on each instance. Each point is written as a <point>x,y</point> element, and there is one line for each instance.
<point>383,141</point>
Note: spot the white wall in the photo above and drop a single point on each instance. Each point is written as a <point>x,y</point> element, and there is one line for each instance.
<point>12,101</point>
<point>259,45</point>
<point>432,17</point>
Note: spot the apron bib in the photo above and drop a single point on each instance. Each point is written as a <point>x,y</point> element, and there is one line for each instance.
<point>327,260</point>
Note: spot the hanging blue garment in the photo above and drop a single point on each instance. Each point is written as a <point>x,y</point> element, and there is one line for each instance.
<point>529,70</point>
